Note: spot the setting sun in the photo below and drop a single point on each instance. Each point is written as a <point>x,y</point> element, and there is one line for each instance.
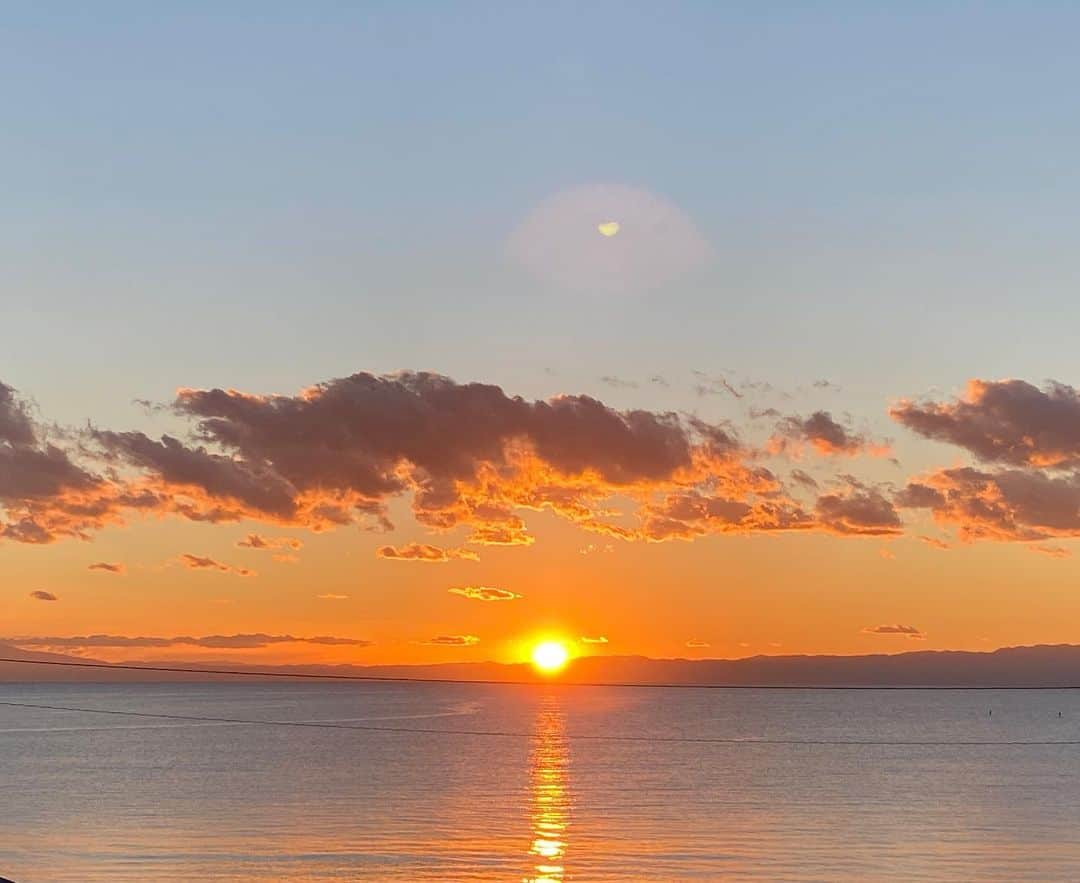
<point>549,656</point>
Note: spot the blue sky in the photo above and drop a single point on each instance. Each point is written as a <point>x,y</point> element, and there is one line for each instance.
<point>265,195</point>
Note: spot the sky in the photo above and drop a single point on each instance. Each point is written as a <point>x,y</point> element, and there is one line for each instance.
<point>307,320</point>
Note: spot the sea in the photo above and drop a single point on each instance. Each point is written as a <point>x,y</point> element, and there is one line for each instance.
<point>316,781</point>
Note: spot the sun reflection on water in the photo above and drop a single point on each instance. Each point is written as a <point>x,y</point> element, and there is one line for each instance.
<point>548,788</point>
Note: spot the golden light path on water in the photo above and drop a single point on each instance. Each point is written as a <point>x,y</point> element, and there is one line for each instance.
<point>548,765</point>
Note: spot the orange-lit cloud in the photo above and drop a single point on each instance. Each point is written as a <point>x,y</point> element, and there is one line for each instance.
<point>484,593</point>
<point>598,639</point>
<point>824,435</point>
<point>468,455</point>
<point>199,562</point>
<point>452,640</point>
<point>1006,421</point>
<point>218,642</point>
<point>42,595</point>
<point>696,644</point>
<point>1051,551</point>
<point>257,541</point>
<point>1008,504</point>
<point>424,552</point>
<point>908,631</point>
<point>108,567</point>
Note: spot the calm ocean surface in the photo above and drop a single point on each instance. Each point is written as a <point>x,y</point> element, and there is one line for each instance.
<point>88,797</point>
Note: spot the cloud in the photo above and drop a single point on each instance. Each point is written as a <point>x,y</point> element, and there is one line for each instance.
<point>1007,505</point>
<point>42,595</point>
<point>329,596</point>
<point>695,644</point>
<point>424,552</point>
<point>484,593</point>
<point>452,640</point>
<point>466,455</point>
<point>257,541</point>
<point>1010,422</point>
<point>43,492</point>
<point>618,382</point>
<point>935,543</point>
<point>599,639</point>
<point>858,510</point>
<point>710,386</point>
<point>199,562</point>
<point>1051,551</point>
<point>106,567</point>
<point>904,630</point>
<point>887,553</point>
<point>804,479</point>
<point>825,435</point>
<point>252,641</point>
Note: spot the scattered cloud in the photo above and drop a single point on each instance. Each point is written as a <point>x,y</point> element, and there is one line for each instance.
<point>199,562</point>
<point>858,510</point>
<point>452,640</point>
<point>804,479</point>
<point>484,593</point>
<point>107,567</point>
<point>695,643</point>
<point>1051,551</point>
<point>42,595</point>
<point>329,596</point>
<point>824,435</point>
<point>424,552</point>
<point>271,544</point>
<point>908,631</point>
<point>251,641</point>
<point>935,543</point>
<point>599,639</point>
<point>618,382</point>
<point>887,553</point>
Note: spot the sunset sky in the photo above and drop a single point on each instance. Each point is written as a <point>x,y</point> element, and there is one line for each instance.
<point>319,343</point>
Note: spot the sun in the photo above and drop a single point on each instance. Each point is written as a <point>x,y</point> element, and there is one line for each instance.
<point>550,656</point>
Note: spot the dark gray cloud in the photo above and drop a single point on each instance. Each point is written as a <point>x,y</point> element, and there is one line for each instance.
<point>858,510</point>
<point>1008,421</point>
<point>1009,504</point>
<point>826,435</point>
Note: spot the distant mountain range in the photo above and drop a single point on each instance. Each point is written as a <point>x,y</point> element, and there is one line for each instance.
<point>1038,666</point>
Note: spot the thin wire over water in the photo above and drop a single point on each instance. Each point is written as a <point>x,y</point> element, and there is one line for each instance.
<point>521,734</point>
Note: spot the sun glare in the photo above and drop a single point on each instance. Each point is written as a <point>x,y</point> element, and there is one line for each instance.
<point>549,656</point>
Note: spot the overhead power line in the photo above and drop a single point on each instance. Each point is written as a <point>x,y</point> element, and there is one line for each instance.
<point>522,734</point>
